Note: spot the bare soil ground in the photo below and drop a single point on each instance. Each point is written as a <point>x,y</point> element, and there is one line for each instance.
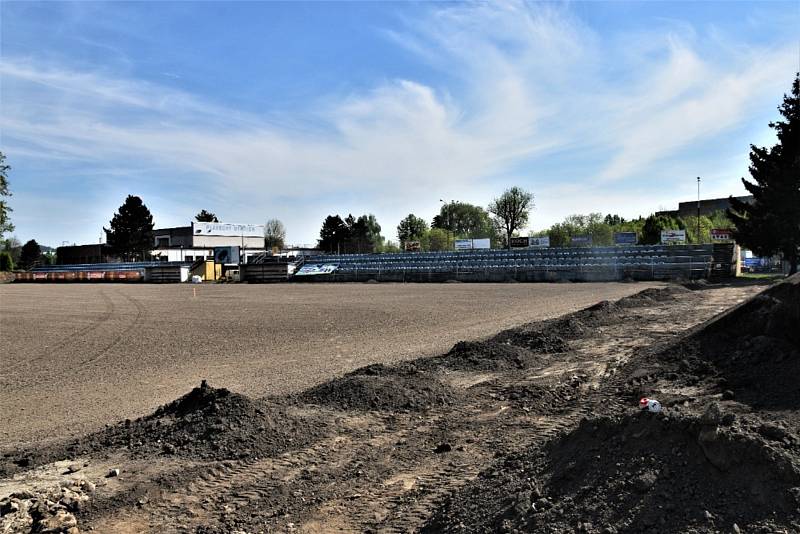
<point>534,429</point>
<point>78,356</point>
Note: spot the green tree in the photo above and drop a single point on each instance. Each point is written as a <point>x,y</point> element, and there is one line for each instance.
<point>5,222</point>
<point>438,240</point>
<point>613,220</point>
<point>559,235</point>
<point>719,219</point>
<point>690,224</point>
<point>511,211</point>
<point>130,234</point>
<point>412,228</point>
<point>333,234</point>
<point>205,216</point>
<point>13,247</point>
<point>651,230</point>
<point>31,254</point>
<point>6,262</point>
<point>464,220</point>
<point>771,224</point>
<point>274,234</point>
<point>365,234</point>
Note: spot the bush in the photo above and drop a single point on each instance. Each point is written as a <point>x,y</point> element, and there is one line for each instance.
<point>6,262</point>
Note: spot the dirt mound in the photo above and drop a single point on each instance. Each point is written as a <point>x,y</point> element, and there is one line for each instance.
<point>483,356</point>
<point>651,296</point>
<point>552,336</point>
<point>641,473</point>
<point>382,388</point>
<point>206,423</point>
<point>533,339</point>
<point>546,398</point>
<point>752,351</point>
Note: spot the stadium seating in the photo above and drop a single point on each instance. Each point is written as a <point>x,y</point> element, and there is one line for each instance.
<point>650,261</point>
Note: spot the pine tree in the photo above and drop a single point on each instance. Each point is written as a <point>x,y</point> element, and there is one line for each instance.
<point>131,230</point>
<point>30,254</point>
<point>206,216</point>
<point>771,224</point>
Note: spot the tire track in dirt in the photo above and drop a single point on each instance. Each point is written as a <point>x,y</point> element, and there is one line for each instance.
<point>108,312</point>
<point>140,310</point>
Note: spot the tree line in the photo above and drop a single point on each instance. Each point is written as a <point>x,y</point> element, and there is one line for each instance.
<point>504,216</point>
<point>601,229</point>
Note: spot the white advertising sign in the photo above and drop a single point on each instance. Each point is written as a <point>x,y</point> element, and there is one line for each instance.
<point>470,244</point>
<point>673,236</point>
<point>228,229</point>
<point>310,270</point>
<point>539,242</point>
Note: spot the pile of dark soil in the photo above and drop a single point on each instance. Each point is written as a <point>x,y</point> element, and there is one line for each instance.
<point>552,336</point>
<point>752,352</point>
<point>546,398</point>
<point>534,339</point>
<point>639,473</point>
<point>382,388</point>
<point>651,296</point>
<point>206,423</point>
<point>483,356</point>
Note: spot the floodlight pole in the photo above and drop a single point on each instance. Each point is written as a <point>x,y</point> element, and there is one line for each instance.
<point>698,209</point>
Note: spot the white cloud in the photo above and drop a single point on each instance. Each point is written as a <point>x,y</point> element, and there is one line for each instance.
<point>530,82</point>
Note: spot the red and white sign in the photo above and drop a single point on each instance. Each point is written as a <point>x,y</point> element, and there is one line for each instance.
<point>721,234</point>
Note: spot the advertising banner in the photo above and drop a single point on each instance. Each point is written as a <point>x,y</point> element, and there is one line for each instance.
<point>673,236</point>
<point>228,229</point>
<point>310,270</point>
<point>520,242</point>
<point>412,246</point>
<point>472,244</point>
<point>539,242</point>
<point>721,234</point>
<point>625,238</point>
<point>581,241</point>
<point>229,255</point>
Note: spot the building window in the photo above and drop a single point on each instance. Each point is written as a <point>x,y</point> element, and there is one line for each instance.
<point>189,258</point>
<point>162,242</point>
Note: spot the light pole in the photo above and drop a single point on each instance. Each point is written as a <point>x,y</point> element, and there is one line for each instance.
<point>698,209</point>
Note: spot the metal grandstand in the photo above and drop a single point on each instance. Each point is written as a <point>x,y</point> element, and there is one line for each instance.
<point>644,261</point>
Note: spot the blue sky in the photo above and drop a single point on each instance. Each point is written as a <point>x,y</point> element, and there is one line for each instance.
<point>256,110</point>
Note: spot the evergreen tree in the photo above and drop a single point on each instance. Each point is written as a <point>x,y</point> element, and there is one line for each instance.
<point>30,254</point>
<point>205,216</point>
<point>334,234</point>
<point>771,224</point>
<point>130,234</point>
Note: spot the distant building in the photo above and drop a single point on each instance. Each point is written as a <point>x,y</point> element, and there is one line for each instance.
<point>182,243</point>
<point>707,206</point>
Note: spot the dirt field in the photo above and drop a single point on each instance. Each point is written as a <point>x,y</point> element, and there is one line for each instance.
<point>80,356</point>
<point>537,428</point>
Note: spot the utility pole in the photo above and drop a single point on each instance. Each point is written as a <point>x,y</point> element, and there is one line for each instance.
<point>698,209</point>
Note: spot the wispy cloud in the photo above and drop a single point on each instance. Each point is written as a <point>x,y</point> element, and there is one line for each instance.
<point>519,84</point>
